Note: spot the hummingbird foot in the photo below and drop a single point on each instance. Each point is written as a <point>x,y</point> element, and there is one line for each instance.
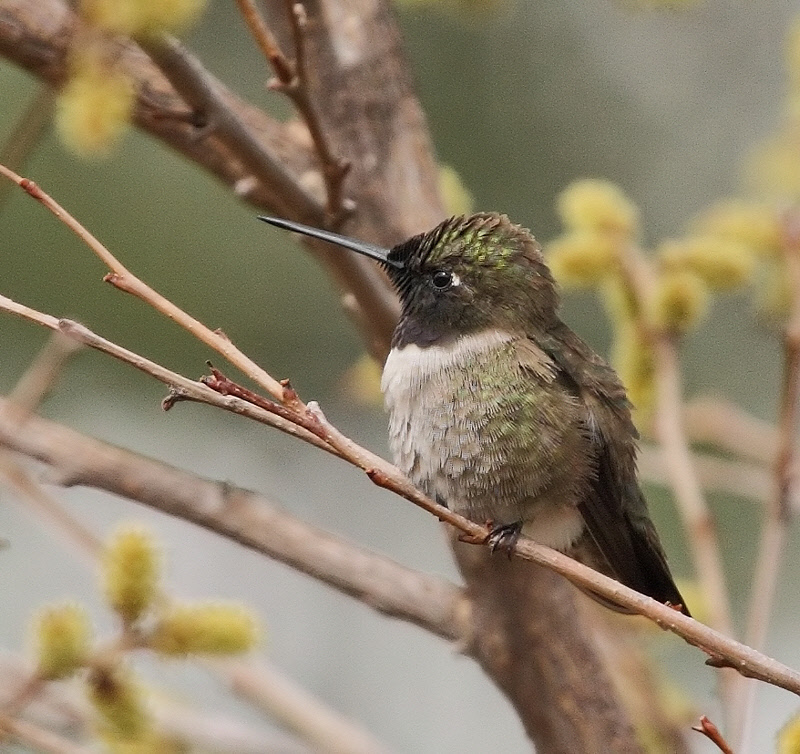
<point>504,537</point>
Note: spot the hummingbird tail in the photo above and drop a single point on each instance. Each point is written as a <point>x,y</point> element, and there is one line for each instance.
<point>651,575</point>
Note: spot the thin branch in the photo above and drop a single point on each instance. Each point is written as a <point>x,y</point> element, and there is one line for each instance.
<point>41,376</point>
<point>723,651</point>
<point>201,91</point>
<point>297,710</point>
<point>778,515</point>
<point>291,79</point>
<point>27,133</point>
<point>737,478</point>
<point>38,738</point>
<point>716,421</point>
<point>181,388</point>
<point>691,503</point>
<point>120,277</point>
<point>265,40</point>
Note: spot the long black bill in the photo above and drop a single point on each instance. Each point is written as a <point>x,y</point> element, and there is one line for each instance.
<point>367,249</point>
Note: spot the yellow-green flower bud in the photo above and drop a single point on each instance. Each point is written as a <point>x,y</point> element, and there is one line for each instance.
<point>582,258</point>
<point>63,637</point>
<point>680,300</point>
<point>131,572</point>
<point>205,628</point>
<point>722,264</point>
<point>789,737</point>
<point>754,225</point>
<point>118,701</point>
<point>599,206</point>
<point>95,105</point>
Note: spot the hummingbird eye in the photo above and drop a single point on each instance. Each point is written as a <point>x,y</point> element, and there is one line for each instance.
<point>442,280</point>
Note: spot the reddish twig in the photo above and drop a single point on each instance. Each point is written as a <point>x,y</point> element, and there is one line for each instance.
<point>778,516</point>
<point>307,422</point>
<point>710,731</point>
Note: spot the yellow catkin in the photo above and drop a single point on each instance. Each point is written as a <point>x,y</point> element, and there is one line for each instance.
<point>679,301</point>
<point>205,628</point>
<point>598,206</point>
<point>95,106</point>
<point>63,636</point>
<point>582,258</point>
<point>789,737</point>
<point>456,196</point>
<point>141,17</point>
<point>130,572</point>
<point>754,225</point>
<point>723,264</point>
<point>117,699</point>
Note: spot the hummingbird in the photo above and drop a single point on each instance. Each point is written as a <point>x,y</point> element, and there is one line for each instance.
<point>499,411</point>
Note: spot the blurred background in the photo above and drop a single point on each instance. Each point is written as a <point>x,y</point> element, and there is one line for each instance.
<point>522,98</point>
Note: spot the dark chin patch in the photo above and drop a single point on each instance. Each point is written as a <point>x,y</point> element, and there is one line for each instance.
<point>416,331</point>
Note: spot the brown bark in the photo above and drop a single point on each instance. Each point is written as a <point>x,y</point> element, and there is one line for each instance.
<point>526,630</point>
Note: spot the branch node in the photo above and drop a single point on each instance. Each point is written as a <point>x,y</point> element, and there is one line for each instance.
<point>175,395</point>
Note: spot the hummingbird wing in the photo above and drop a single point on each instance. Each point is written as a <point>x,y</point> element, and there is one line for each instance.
<point>614,509</point>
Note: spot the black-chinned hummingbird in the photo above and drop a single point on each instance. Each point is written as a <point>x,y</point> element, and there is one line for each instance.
<point>499,411</point>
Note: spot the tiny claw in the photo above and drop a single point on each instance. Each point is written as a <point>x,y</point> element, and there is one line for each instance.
<point>504,537</point>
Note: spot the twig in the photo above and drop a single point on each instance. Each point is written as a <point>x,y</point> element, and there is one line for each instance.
<point>737,478</point>
<point>45,505</point>
<point>40,377</point>
<point>181,388</point>
<point>778,515</point>
<point>297,710</point>
<point>196,85</point>
<point>291,79</point>
<point>27,133</point>
<point>710,731</point>
<point>38,738</point>
<point>716,421</point>
<point>120,277</point>
<point>691,503</point>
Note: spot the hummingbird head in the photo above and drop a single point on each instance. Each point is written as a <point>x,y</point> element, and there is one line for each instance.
<point>468,274</point>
